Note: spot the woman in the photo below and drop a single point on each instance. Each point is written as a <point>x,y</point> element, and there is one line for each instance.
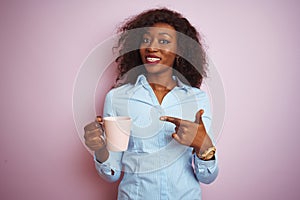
<point>161,66</point>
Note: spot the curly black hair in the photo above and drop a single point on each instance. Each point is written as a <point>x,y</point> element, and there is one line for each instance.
<point>191,63</point>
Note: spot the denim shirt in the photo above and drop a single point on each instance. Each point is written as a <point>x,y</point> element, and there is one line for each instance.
<point>155,166</point>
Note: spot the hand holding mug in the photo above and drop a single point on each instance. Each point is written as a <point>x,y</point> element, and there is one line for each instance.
<point>94,135</point>
<point>95,140</point>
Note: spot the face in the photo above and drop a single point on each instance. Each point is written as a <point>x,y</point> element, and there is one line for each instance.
<point>158,48</point>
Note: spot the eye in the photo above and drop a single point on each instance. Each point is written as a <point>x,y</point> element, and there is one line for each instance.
<point>163,41</point>
<point>145,40</point>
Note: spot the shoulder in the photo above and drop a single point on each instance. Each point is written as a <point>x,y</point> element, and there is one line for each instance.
<point>199,92</point>
<point>120,90</point>
<point>194,91</point>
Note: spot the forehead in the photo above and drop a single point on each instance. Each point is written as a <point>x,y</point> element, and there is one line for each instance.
<point>161,28</point>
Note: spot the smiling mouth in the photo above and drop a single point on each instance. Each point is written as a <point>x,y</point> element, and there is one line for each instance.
<point>152,60</point>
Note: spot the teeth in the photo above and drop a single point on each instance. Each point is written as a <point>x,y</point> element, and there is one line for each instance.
<point>152,59</point>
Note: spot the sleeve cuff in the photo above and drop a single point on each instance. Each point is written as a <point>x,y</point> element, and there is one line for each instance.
<point>205,166</point>
<point>113,162</point>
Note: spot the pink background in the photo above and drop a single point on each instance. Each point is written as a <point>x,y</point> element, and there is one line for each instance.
<point>254,45</point>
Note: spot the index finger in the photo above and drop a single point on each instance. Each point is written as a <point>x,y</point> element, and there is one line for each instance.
<point>92,134</point>
<point>91,126</point>
<point>173,120</point>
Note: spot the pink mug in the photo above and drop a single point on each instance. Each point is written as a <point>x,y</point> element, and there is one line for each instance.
<point>117,131</point>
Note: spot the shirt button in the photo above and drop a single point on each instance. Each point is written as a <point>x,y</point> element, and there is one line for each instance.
<point>157,107</point>
<point>159,110</point>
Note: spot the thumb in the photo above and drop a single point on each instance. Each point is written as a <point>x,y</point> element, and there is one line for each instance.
<point>199,116</point>
<point>99,119</point>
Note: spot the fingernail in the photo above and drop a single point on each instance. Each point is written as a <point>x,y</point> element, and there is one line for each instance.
<point>162,118</point>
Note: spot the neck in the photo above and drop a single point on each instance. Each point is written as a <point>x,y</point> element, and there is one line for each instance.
<point>161,82</point>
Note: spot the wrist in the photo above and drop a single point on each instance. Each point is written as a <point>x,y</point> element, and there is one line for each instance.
<point>208,154</point>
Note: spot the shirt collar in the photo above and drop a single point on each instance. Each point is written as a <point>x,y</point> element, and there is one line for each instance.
<point>180,84</point>
<point>142,80</point>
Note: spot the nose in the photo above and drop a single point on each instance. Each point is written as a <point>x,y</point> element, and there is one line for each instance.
<point>152,47</point>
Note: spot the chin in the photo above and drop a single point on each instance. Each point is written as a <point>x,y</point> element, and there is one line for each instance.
<point>156,69</point>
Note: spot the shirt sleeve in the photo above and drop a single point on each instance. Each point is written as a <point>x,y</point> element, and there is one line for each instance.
<point>206,171</point>
<point>112,163</point>
<point>114,160</point>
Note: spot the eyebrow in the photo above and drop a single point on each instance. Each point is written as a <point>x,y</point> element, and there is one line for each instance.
<point>166,34</point>
<point>162,33</point>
